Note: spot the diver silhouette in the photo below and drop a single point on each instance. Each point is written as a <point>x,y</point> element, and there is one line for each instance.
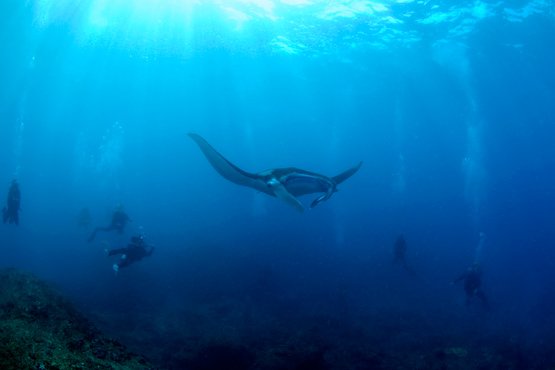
<point>135,251</point>
<point>399,253</point>
<point>119,220</point>
<point>472,283</point>
<point>10,212</point>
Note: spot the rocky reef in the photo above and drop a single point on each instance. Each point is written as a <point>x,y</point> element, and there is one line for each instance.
<point>39,329</point>
<point>221,335</point>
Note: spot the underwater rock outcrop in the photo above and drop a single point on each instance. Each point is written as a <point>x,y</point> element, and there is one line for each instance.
<point>39,329</point>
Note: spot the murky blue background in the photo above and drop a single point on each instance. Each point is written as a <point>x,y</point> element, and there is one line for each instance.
<point>449,105</point>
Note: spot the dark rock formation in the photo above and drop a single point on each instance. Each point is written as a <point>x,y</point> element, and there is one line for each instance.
<point>39,329</point>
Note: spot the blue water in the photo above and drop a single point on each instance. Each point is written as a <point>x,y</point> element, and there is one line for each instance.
<point>450,105</point>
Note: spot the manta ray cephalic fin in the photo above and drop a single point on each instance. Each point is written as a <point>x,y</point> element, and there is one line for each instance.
<point>281,192</point>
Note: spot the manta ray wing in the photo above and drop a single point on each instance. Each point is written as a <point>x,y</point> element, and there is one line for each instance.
<point>227,169</point>
<point>345,175</point>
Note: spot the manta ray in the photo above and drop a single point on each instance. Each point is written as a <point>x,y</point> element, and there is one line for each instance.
<point>284,183</point>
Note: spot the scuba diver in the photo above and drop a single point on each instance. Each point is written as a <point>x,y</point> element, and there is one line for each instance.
<point>84,218</point>
<point>472,282</point>
<point>10,212</point>
<point>399,253</point>
<point>135,251</point>
<point>119,220</point>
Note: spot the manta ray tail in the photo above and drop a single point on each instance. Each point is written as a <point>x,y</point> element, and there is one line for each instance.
<point>345,175</point>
